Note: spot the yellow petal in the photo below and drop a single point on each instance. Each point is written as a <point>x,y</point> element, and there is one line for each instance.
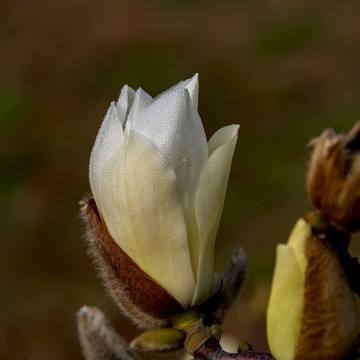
<point>285,304</point>
<point>297,238</point>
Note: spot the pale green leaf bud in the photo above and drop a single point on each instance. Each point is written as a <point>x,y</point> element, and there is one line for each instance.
<point>159,340</point>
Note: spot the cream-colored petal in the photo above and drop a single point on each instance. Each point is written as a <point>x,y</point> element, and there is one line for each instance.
<point>124,103</point>
<point>141,205</point>
<point>109,141</point>
<point>174,126</point>
<point>221,137</point>
<point>285,304</point>
<point>210,196</point>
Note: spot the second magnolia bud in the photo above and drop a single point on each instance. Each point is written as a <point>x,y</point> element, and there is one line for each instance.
<point>312,311</point>
<point>334,178</point>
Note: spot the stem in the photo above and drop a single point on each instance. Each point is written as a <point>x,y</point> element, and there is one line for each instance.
<point>211,350</point>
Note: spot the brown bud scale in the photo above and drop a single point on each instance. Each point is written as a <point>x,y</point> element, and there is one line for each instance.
<point>137,294</point>
<point>333,180</point>
<point>329,321</point>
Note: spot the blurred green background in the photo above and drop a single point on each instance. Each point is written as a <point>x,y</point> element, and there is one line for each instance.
<point>283,70</point>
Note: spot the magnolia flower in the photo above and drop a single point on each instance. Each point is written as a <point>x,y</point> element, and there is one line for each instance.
<point>159,186</point>
<point>312,312</point>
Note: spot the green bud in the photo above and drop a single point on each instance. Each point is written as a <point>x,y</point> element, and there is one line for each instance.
<point>159,340</point>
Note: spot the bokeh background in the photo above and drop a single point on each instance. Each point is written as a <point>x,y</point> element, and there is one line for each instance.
<point>284,70</point>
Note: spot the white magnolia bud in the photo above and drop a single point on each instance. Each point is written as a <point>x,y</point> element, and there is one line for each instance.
<point>160,186</point>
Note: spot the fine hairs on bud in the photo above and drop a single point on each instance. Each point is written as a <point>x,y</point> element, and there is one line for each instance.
<point>98,339</point>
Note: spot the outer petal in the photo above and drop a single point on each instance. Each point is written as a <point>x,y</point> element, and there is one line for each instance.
<point>285,304</point>
<point>209,202</point>
<point>141,205</point>
<point>174,126</point>
<point>109,141</point>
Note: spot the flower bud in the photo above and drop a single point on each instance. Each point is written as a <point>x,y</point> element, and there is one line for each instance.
<point>159,189</point>
<point>159,341</point>
<point>334,178</point>
<point>312,312</point>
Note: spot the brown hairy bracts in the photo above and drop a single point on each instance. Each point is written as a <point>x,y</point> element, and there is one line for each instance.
<point>140,298</point>
<point>333,180</point>
<point>329,321</point>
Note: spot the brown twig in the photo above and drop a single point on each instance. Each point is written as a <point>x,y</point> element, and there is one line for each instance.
<point>211,350</point>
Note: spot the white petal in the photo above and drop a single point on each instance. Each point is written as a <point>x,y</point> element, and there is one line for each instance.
<point>124,103</point>
<point>221,137</point>
<point>285,304</point>
<point>192,85</point>
<point>141,205</point>
<point>209,203</point>
<point>109,140</point>
<point>174,126</point>
<point>141,102</point>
